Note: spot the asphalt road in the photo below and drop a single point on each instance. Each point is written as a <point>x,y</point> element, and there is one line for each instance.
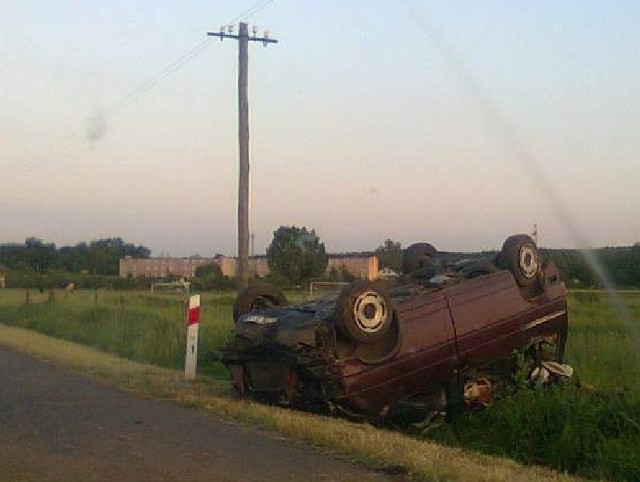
<point>56,425</point>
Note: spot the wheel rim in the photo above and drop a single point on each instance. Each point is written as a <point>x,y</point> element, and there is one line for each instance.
<point>370,311</point>
<point>528,261</point>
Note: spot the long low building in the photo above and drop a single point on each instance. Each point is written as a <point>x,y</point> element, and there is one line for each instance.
<point>161,267</point>
<point>359,265</point>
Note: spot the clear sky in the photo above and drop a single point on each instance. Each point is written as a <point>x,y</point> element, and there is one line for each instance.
<point>414,120</point>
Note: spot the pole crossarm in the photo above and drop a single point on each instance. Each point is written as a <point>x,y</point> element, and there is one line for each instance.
<point>223,35</point>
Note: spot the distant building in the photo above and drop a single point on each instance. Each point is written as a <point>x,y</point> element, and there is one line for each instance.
<point>2,281</point>
<point>258,266</point>
<point>161,267</point>
<point>185,267</point>
<point>359,265</point>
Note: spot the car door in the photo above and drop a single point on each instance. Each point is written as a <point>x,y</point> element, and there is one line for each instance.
<point>489,314</point>
<point>425,357</point>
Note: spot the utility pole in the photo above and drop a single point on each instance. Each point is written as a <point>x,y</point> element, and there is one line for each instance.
<point>243,39</point>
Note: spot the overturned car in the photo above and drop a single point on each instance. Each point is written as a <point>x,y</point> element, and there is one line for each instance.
<point>450,331</point>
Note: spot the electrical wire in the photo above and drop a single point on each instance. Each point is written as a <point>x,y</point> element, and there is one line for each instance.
<point>259,5</point>
<point>194,52</point>
<point>148,85</point>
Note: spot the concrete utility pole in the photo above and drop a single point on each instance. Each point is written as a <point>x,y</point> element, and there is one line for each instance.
<point>243,39</point>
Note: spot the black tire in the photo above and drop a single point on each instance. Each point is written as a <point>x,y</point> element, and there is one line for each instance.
<point>363,312</point>
<point>519,255</point>
<point>416,257</point>
<point>257,296</point>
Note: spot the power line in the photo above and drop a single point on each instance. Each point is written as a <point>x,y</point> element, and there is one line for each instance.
<point>139,91</point>
<point>251,11</point>
<point>146,86</point>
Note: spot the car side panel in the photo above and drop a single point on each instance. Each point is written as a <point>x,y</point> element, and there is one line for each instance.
<point>492,318</point>
<point>425,358</point>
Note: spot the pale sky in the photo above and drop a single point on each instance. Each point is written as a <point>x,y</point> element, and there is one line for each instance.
<point>414,120</point>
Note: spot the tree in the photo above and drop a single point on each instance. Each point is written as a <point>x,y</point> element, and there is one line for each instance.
<point>210,277</point>
<point>390,255</point>
<point>40,256</point>
<point>296,254</point>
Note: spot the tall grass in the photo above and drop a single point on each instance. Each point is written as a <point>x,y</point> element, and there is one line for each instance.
<point>600,344</point>
<point>586,433</point>
<point>141,326</point>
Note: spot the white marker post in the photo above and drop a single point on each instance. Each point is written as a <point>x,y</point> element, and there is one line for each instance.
<point>193,322</point>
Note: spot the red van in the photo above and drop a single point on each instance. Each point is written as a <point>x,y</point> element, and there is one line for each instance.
<point>450,330</point>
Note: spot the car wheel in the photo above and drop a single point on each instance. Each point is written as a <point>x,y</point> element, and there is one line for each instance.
<point>415,256</point>
<point>256,297</point>
<point>519,255</point>
<point>363,312</point>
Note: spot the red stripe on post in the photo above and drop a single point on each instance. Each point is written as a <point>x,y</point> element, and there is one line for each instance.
<point>194,315</point>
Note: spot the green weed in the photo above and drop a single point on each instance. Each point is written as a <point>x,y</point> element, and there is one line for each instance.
<point>586,433</point>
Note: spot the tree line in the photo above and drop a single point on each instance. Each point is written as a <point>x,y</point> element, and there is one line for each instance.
<point>36,259</point>
<point>621,264</point>
<point>296,255</point>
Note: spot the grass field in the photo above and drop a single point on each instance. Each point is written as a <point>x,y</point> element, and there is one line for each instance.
<point>593,431</point>
<point>602,346</point>
<point>142,326</point>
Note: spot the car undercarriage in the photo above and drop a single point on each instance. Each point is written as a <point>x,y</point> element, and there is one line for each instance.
<point>452,331</point>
